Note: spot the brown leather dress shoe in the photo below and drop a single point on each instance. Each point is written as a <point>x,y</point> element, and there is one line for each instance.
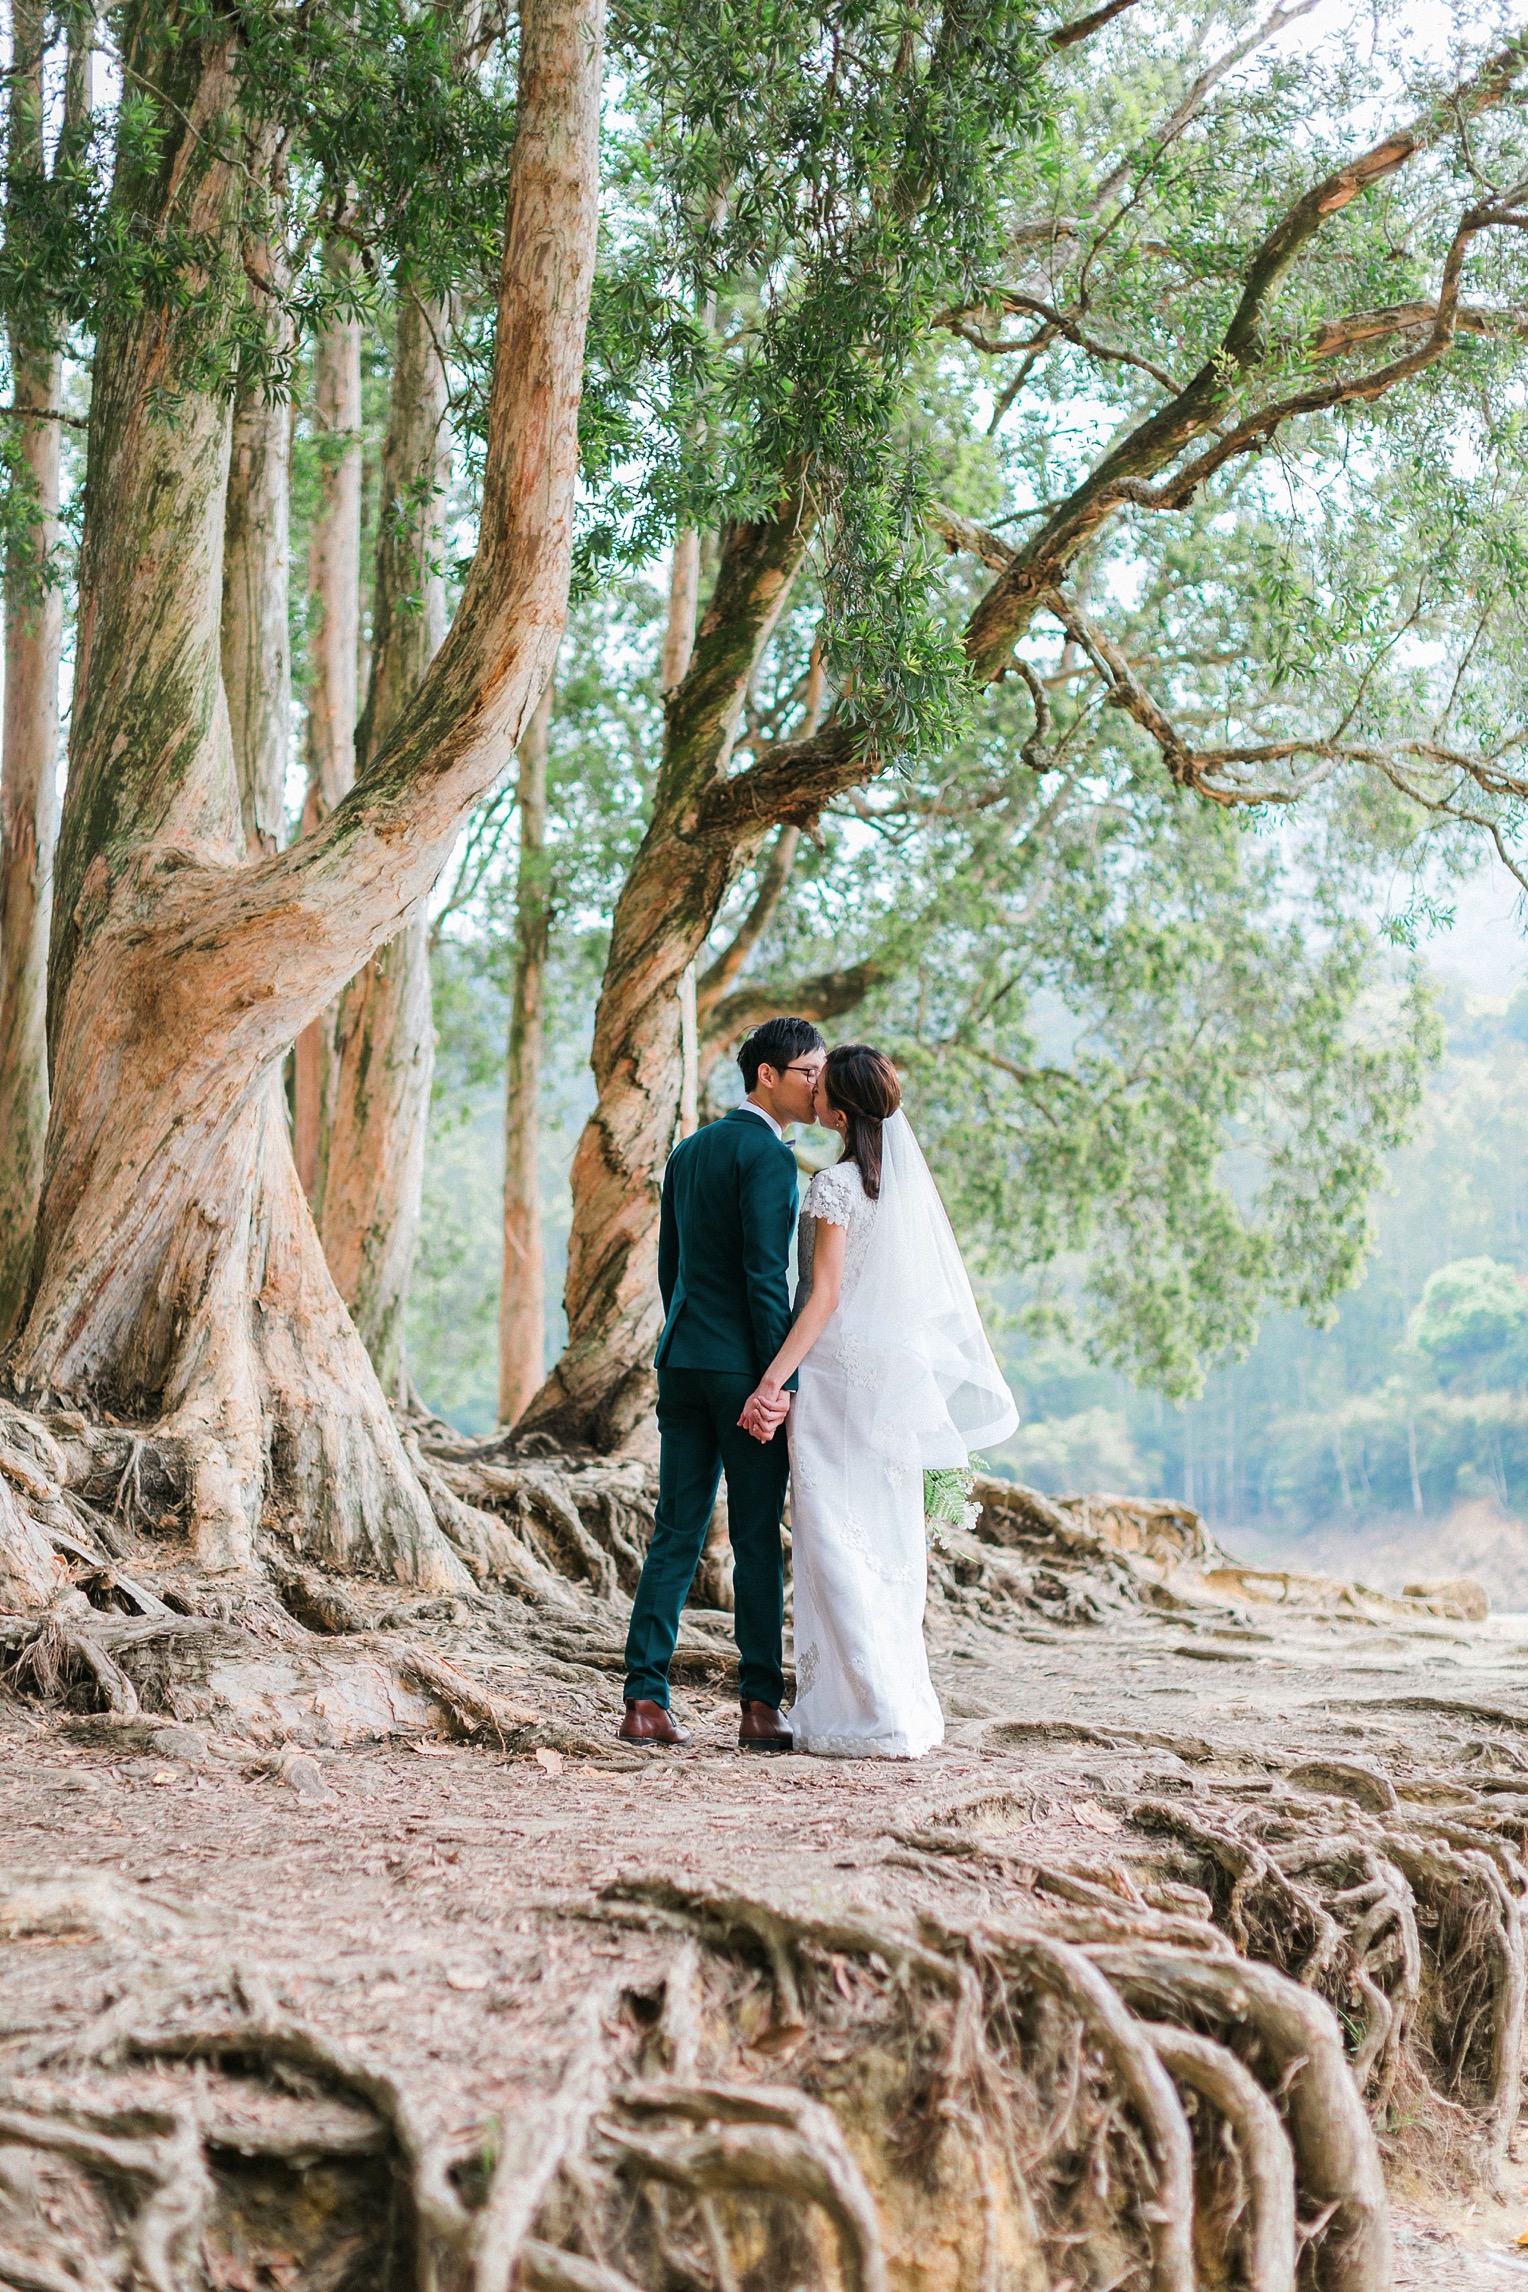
<point>763,1728</point>
<point>648,1722</point>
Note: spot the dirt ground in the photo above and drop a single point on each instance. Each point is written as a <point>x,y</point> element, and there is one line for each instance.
<point>447,1917</point>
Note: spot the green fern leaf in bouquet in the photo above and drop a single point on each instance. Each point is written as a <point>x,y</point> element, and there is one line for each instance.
<point>947,1499</point>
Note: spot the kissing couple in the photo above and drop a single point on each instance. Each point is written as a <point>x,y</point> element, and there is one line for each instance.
<point>879,1372</point>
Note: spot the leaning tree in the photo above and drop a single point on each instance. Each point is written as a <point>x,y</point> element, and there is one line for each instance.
<point>1248,297</point>
<point>177,1278</point>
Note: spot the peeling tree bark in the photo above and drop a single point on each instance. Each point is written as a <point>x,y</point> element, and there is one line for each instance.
<point>334,640</point>
<point>684,597</point>
<point>522,1294</point>
<point>34,621</point>
<point>179,1277</point>
<point>371,1167</point>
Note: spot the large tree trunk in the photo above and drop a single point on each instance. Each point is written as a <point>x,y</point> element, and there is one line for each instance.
<point>601,1389</point>
<point>522,1293</point>
<point>371,1169</point>
<point>334,640</point>
<point>179,1276</point>
<point>34,622</point>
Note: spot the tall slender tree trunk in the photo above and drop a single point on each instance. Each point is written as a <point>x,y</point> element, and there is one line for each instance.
<point>256,639</point>
<point>371,1178</point>
<point>179,1277</point>
<point>678,646</point>
<point>334,638</point>
<point>522,1293</point>
<point>601,1389</point>
<point>684,597</point>
<point>34,620</point>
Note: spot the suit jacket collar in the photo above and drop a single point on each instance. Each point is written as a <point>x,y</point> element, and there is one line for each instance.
<point>755,1114</point>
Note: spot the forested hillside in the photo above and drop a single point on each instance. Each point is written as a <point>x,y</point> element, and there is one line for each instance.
<point>1414,1400</point>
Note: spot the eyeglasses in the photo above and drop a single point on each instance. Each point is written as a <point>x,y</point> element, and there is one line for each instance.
<point>811,1072</point>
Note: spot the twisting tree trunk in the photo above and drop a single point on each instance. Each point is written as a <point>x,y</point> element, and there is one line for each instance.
<point>601,1389</point>
<point>256,639</point>
<point>727,1011</point>
<point>522,1295</point>
<point>713,1002</point>
<point>334,638</point>
<point>371,1168</point>
<point>179,1276</point>
<point>34,623</point>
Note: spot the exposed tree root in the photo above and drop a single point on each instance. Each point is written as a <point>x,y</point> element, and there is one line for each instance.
<point>957,2090</point>
<point>1016,2011</point>
<point>1165,2065</point>
<point>1297,2045</point>
<point>757,2139</point>
<point>1408,1918</point>
<point>1258,2144</point>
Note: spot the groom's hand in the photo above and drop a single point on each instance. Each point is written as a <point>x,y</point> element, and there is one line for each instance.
<point>764,1412</point>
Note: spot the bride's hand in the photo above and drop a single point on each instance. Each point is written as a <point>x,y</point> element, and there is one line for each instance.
<point>764,1411</point>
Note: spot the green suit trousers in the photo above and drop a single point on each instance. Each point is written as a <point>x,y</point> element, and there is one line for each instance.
<point>698,1411</point>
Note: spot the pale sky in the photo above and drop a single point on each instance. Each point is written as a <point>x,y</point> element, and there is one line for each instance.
<point>1487,947</point>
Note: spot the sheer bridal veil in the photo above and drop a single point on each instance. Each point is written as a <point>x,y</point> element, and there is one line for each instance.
<point>912,1327</point>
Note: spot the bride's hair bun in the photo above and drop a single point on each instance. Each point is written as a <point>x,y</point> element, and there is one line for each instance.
<point>862,1083</point>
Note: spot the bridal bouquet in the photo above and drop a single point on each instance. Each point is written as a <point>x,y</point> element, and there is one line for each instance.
<point>947,1499</point>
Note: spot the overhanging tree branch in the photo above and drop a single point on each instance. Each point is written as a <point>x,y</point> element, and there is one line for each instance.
<point>1003,614</point>
<point>1083,27</point>
<point>1341,334</point>
<point>1255,430</point>
<point>1220,774</point>
<point>1056,322</point>
<point>826,995</point>
<point>794,780</point>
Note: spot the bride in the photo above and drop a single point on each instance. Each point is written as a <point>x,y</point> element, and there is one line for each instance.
<point>896,1376</point>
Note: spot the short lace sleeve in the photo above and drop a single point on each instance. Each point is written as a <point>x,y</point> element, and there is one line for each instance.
<point>833,1195</point>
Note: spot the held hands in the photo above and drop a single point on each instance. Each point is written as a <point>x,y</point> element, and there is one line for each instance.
<point>765,1411</point>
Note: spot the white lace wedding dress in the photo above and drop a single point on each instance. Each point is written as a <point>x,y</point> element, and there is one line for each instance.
<point>858,1551</point>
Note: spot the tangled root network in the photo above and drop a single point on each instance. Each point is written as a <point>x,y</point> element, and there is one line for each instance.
<point>1185,2060</point>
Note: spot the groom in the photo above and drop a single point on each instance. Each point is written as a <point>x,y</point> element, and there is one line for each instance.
<point>729,1204</point>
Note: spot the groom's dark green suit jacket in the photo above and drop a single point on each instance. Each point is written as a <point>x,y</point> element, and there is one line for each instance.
<point>729,1202</point>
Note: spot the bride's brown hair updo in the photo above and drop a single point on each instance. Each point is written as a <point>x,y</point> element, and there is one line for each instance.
<point>862,1083</point>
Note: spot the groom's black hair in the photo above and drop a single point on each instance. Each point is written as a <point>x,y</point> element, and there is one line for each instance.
<point>777,1043</point>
